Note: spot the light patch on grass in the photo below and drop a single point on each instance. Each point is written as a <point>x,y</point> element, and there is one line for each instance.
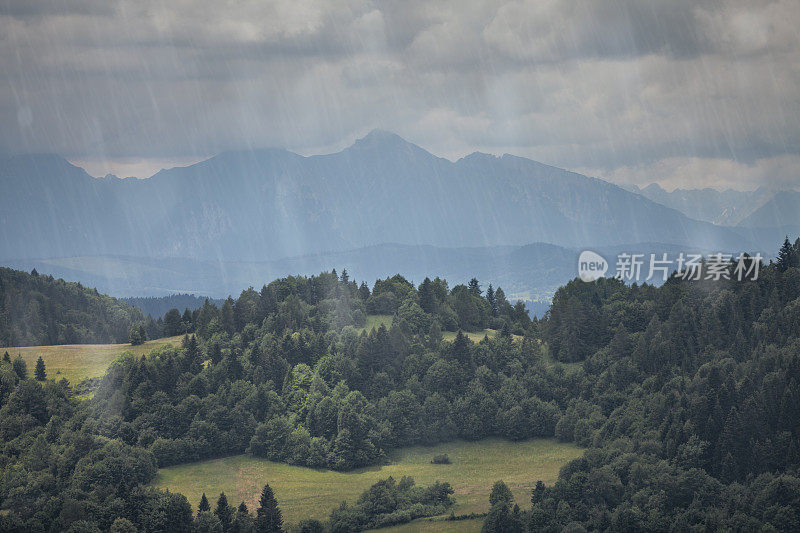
<point>77,362</point>
<point>309,493</point>
<point>375,321</point>
<point>437,525</point>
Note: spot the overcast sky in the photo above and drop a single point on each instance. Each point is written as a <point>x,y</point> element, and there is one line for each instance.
<point>683,93</point>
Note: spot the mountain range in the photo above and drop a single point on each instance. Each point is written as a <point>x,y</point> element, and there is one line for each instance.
<point>380,206</point>
<point>270,204</point>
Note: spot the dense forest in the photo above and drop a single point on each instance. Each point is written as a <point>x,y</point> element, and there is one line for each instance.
<point>38,310</point>
<point>686,397</point>
<point>157,306</point>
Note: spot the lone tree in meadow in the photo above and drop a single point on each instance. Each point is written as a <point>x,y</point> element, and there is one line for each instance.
<point>137,334</point>
<point>40,373</point>
<point>268,515</point>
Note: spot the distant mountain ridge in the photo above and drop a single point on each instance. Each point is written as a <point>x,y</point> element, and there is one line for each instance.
<point>263,205</point>
<point>761,208</point>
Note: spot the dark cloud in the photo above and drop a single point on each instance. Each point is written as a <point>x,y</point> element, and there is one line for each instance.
<point>621,84</point>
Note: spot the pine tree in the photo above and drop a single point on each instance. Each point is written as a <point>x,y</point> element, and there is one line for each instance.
<point>363,291</point>
<point>40,372</point>
<point>243,508</point>
<point>537,494</point>
<point>490,297</point>
<point>204,506</point>
<point>474,287</point>
<point>20,368</point>
<point>785,255</point>
<point>224,511</point>
<point>427,300</point>
<point>269,519</point>
<point>6,357</point>
<point>216,353</point>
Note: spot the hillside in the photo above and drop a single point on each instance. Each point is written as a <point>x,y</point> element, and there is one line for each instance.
<point>37,310</point>
<point>268,204</point>
<point>783,209</point>
<point>685,396</point>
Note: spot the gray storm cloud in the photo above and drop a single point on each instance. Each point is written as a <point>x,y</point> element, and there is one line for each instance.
<point>636,91</point>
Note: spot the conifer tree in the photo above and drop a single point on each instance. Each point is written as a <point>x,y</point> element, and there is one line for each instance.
<point>363,291</point>
<point>204,506</point>
<point>224,511</point>
<point>6,357</point>
<point>427,299</point>
<point>269,519</point>
<point>490,297</point>
<point>785,255</point>
<point>20,368</point>
<point>474,287</point>
<point>40,373</point>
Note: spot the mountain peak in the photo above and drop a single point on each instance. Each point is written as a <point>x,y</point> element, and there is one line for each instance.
<point>378,138</point>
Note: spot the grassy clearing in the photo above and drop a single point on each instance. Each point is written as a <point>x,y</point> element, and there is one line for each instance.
<point>309,493</point>
<point>375,321</point>
<point>437,525</point>
<point>77,362</point>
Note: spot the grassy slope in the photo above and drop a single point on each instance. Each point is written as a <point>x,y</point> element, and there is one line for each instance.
<point>437,525</point>
<point>80,361</point>
<point>374,321</point>
<point>308,493</point>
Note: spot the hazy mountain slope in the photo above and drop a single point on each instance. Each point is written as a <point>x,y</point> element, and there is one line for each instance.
<point>726,208</point>
<point>267,204</point>
<point>782,210</point>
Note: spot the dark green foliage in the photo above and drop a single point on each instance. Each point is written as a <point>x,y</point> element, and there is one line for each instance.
<point>40,373</point>
<point>137,334</point>
<point>40,310</point>
<point>224,512</point>
<point>686,395</point>
<point>441,459</point>
<point>388,503</point>
<point>268,514</point>
<point>20,367</point>
<point>203,506</point>
<point>689,401</point>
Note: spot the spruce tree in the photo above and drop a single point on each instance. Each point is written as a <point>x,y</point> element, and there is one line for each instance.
<point>363,291</point>
<point>474,287</point>
<point>224,511</point>
<point>204,506</point>
<point>490,297</point>
<point>269,519</point>
<point>40,372</point>
<point>427,299</point>
<point>6,357</point>
<point>785,255</point>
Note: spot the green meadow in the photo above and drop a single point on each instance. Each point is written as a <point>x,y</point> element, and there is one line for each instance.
<point>77,362</point>
<point>311,493</point>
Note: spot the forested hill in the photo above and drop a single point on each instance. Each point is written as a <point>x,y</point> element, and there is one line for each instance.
<point>38,309</point>
<point>686,397</point>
